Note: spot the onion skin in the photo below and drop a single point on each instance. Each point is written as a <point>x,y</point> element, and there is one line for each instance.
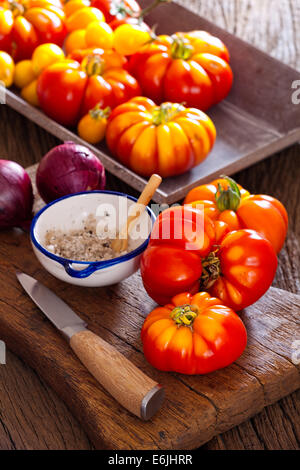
<point>69,168</point>
<point>16,196</point>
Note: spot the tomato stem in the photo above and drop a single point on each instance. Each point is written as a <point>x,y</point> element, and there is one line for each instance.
<point>181,48</point>
<point>184,315</point>
<point>17,8</point>
<point>93,65</point>
<point>211,270</point>
<point>98,113</point>
<point>230,198</point>
<point>166,112</point>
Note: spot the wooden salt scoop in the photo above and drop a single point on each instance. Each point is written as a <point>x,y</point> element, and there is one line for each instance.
<point>120,243</point>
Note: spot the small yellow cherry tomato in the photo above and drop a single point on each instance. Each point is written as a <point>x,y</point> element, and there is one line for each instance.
<point>7,68</point>
<point>24,73</point>
<point>75,40</point>
<point>92,126</point>
<point>29,93</point>
<point>80,19</point>
<point>73,5</point>
<point>99,34</point>
<point>128,38</point>
<point>45,55</point>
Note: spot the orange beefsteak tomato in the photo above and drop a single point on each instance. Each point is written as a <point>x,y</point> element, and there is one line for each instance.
<point>194,334</point>
<point>68,90</point>
<point>168,139</point>
<point>228,202</point>
<point>190,68</point>
<point>24,24</point>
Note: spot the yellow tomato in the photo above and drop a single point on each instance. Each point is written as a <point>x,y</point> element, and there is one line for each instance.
<point>24,73</point>
<point>73,5</point>
<point>93,125</point>
<point>6,21</point>
<point>29,93</point>
<point>99,34</point>
<point>128,38</point>
<point>80,19</point>
<point>7,68</point>
<point>45,55</point>
<point>75,40</point>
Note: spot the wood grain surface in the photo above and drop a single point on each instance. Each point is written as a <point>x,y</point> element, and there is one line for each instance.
<point>31,415</point>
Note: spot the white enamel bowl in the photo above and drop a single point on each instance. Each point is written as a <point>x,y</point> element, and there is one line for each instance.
<point>68,213</point>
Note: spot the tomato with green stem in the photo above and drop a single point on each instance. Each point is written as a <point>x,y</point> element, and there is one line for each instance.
<point>68,90</point>
<point>92,126</point>
<point>228,202</point>
<point>168,139</point>
<point>191,68</point>
<point>193,334</point>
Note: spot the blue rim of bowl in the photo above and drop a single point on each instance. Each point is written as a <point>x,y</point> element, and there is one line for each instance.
<point>95,264</point>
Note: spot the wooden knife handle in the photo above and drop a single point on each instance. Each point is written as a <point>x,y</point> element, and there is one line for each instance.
<point>123,380</point>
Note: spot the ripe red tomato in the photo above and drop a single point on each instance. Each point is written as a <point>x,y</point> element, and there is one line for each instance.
<point>190,68</point>
<point>238,271</point>
<point>27,23</point>
<point>193,335</point>
<point>241,270</point>
<point>172,261</point>
<point>68,90</point>
<point>119,12</point>
<point>227,202</point>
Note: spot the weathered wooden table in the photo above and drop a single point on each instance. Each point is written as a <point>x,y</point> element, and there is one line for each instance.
<point>31,415</point>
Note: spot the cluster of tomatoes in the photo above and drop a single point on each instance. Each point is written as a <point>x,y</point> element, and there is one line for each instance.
<point>206,260</point>
<point>96,65</point>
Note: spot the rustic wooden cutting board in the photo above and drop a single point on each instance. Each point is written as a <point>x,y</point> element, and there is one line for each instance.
<point>196,408</point>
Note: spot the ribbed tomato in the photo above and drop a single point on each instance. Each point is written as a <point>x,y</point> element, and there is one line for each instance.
<point>68,90</point>
<point>240,270</point>
<point>168,139</point>
<point>191,68</point>
<point>226,201</point>
<point>194,334</point>
<point>24,24</point>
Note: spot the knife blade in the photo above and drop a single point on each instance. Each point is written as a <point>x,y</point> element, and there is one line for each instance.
<point>121,378</point>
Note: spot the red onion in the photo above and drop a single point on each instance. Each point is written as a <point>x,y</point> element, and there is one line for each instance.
<point>69,168</point>
<point>16,197</point>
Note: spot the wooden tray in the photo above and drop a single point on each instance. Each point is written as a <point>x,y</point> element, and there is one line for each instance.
<point>196,408</point>
<point>256,120</point>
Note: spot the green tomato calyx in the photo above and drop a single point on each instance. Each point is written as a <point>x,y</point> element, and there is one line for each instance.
<point>230,198</point>
<point>185,315</point>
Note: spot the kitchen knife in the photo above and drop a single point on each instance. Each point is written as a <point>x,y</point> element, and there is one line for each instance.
<point>123,380</point>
